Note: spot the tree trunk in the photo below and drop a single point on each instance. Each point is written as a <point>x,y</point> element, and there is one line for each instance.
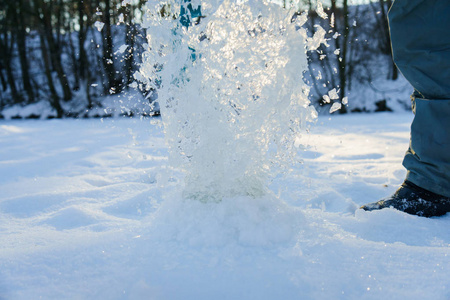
<point>54,99</point>
<point>130,41</point>
<point>394,70</point>
<point>55,53</point>
<point>343,62</point>
<point>6,46</point>
<point>381,17</point>
<point>108,49</point>
<point>81,40</point>
<point>83,66</point>
<point>75,61</point>
<point>22,49</point>
<point>7,41</point>
<point>342,44</point>
<point>2,78</point>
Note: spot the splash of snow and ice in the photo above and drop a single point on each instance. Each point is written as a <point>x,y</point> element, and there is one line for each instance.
<point>231,92</point>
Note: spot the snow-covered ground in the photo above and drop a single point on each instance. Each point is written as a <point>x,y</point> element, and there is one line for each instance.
<point>89,209</point>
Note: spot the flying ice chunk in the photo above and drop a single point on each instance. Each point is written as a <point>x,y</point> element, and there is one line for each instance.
<point>122,49</point>
<point>345,100</point>
<point>326,99</point>
<point>333,94</point>
<point>317,39</point>
<point>125,2</point>
<point>320,11</point>
<point>99,25</point>
<point>319,76</point>
<point>335,107</point>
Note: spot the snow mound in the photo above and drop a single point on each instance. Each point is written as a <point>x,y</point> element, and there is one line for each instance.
<point>243,221</point>
<point>70,218</point>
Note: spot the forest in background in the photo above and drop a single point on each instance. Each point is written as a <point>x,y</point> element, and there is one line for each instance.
<point>74,55</point>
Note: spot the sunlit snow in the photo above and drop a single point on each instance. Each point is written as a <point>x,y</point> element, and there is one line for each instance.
<point>92,210</point>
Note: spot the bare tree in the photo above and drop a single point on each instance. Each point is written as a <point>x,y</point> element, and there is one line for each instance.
<point>44,14</point>
<point>7,41</point>
<point>341,45</point>
<point>19,18</point>
<point>130,40</point>
<point>108,60</point>
<point>54,98</point>
<point>379,10</point>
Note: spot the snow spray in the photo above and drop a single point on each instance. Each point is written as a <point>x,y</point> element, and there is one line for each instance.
<point>228,75</point>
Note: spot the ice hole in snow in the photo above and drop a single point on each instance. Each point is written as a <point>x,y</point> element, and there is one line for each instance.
<point>230,88</point>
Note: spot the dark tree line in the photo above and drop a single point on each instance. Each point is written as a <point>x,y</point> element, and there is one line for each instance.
<point>65,51</point>
<point>358,41</point>
<point>52,49</point>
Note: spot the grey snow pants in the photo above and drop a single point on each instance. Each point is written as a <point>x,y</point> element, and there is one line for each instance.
<point>420,35</point>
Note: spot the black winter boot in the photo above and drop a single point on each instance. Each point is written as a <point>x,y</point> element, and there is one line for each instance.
<point>413,200</point>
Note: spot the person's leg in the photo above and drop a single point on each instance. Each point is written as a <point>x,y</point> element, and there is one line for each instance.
<point>421,47</point>
<point>428,158</point>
